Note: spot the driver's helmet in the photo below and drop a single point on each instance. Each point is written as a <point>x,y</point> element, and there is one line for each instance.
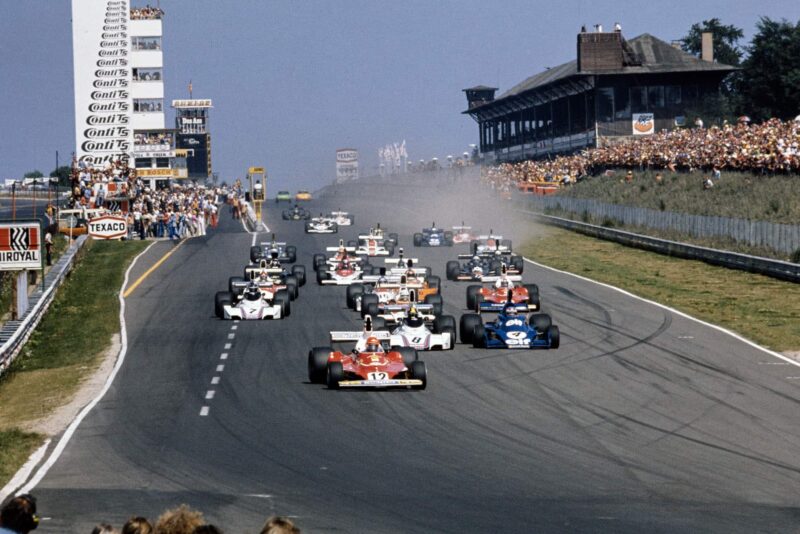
<point>373,345</point>
<point>414,320</point>
<point>404,293</point>
<point>476,259</point>
<point>263,276</point>
<point>510,310</point>
<point>345,263</point>
<point>504,283</point>
<point>252,293</point>
<point>411,275</point>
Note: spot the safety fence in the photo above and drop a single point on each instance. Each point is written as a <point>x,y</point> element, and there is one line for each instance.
<point>14,334</point>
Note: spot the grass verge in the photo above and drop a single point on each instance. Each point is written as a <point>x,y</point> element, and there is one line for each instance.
<point>760,308</point>
<point>64,349</point>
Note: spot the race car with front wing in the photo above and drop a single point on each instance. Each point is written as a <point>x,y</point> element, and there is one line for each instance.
<point>479,266</point>
<point>268,249</point>
<point>393,285</point>
<point>344,273</point>
<point>296,214</point>
<point>375,243</point>
<point>433,237</point>
<point>413,332</point>
<point>342,218</point>
<point>251,304</point>
<point>505,290</point>
<point>271,274</point>
<point>463,234</point>
<point>321,225</point>
<point>371,363</point>
<point>489,243</point>
<point>510,330</point>
<point>339,254</point>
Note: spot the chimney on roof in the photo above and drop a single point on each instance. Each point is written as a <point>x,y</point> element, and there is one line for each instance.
<point>707,47</point>
<point>600,51</point>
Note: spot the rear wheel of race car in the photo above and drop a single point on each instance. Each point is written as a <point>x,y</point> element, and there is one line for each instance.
<point>335,374</point>
<point>353,291</point>
<point>291,253</point>
<point>533,295</point>
<point>452,269</point>
<point>317,260</point>
<point>409,355</point>
<point>352,244</point>
<point>467,326</point>
<point>390,249</point>
<point>394,239</point>
<point>434,281</point>
<point>419,372</point>
<point>318,364</point>
<point>473,246</point>
<point>443,322</point>
<point>292,286</point>
<point>496,267</point>
<point>334,228</point>
<point>555,336</point>
<point>235,280</point>
<point>299,272</point>
<point>255,253</point>
<point>417,240</point>
<point>472,292</point>
<point>352,219</point>
<point>322,274</point>
<point>448,239</point>
<point>540,322</point>
<point>222,299</point>
<point>368,300</point>
<point>506,243</point>
<point>519,263</point>
<point>282,299</point>
<point>479,337</point>
<point>378,323</point>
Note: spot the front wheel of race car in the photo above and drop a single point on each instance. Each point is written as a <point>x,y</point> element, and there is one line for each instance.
<point>368,300</point>
<point>437,302</point>
<point>291,253</point>
<point>472,292</point>
<point>443,322</point>
<point>282,299</point>
<point>394,239</point>
<point>291,287</point>
<point>255,253</point>
<point>221,299</point>
<point>353,291</point>
<point>318,364</point>
<point>299,272</point>
<point>518,262</point>
<point>317,260</point>
<point>467,326</point>
<point>420,372</point>
<point>434,281</point>
<point>378,323</point>
<point>322,274</point>
<point>452,269</point>
<point>479,337</point>
<point>555,336</point>
<point>308,228</point>
<point>335,374</point>
<point>541,322</point>
<point>417,240</point>
<point>409,355</point>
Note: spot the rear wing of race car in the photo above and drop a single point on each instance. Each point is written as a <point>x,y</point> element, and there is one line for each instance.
<point>397,271</point>
<point>238,287</point>
<point>273,244</point>
<point>509,277</point>
<point>253,272</point>
<point>401,261</point>
<point>462,228</point>
<point>424,309</point>
<point>382,335</point>
<point>339,214</point>
<point>336,249</point>
<point>502,252</point>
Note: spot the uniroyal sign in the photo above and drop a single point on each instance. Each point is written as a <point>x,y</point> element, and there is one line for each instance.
<point>20,246</point>
<point>102,77</point>
<point>108,227</point>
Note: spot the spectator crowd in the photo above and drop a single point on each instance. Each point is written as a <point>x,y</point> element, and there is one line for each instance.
<point>771,147</point>
<point>146,13</point>
<point>19,516</point>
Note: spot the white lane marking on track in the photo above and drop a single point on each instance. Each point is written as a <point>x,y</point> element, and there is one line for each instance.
<point>25,471</point>
<point>236,321</point>
<point>204,411</point>
<point>220,368</point>
<point>234,327</point>
<point>231,336</point>
<point>223,356</point>
<point>772,363</point>
<point>214,380</point>
<point>70,431</point>
<point>210,394</point>
<point>673,310</point>
<point>228,346</point>
<point>793,377</point>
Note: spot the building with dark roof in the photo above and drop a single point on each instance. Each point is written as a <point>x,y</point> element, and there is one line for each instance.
<point>614,89</point>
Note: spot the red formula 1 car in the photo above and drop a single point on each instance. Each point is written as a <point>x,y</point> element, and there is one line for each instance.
<point>370,364</point>
<point>494,297</point>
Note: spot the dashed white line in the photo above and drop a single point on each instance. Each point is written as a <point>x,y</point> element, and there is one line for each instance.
<point>210,394</point>
<point>231,335</point>
<point>234,327</point>
<point>220,368</point>
<point>204,411</point>
<point>228,346</point>
<point>223,356</point>
<point>214,380</point>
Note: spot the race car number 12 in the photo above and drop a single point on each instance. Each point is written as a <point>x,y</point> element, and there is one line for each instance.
<point>378,376</point>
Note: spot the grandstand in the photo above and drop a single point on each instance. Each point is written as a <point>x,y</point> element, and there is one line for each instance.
<point>613,90</point>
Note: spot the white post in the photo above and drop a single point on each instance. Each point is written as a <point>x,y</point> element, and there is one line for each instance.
<point>22,293</point>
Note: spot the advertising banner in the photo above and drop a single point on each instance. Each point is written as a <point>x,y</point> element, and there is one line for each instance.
<point>108,227</point>
<point>102,78</point>
<point>643,124</point>
<point>20,246</point>
<point>346,164</point>
<point>199,164</point>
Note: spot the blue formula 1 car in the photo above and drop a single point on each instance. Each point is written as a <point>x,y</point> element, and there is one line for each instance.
<point>510,331</point>
<point>433,237</point>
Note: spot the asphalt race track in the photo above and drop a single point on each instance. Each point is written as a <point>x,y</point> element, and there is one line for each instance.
<point>643,420</point>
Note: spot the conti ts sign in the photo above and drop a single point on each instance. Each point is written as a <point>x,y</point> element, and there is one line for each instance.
<point>20,246</point>
<point>108,227</point>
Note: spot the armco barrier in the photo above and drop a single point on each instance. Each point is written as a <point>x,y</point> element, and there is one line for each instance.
<point>14,334</point>
<point>773,268</point>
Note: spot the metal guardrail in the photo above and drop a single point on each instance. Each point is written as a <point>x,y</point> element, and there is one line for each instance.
<point>14,334</point>
<point>782,270</point>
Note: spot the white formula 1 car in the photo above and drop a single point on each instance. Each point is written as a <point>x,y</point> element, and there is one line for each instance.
<point>342,218</point>
<point>251,304</point>
<point>322,225</point>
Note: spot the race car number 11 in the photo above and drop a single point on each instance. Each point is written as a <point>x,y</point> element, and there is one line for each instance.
<point>378,376</point>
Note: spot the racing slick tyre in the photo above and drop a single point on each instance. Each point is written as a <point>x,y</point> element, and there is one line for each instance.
<point>282,299</point>
<point>352,244</point>
<point>472,292</point>
<point>291,253</point>
<point>506,243</point>
<point>308,228</point>
<point>335,374</point>
<point>496,267</point>
<point>235,280</point>
<point>352,219</point>
<point>394,239</point>
<point>390,249</point>
<point>518,262</point>
<point>371,309</point>
<point>420,372</point>
<point>318,364</point>
<point>473,246</point>
<point>221,299</point>
<point>417,240</point>
<point>318,259</point>
<point>555,336</point>
<point>353,291</point>
<point>299,272</point>
<point>291,287</point>
<point>255,253</point>
<point>366,301</point>
<point>540,322</point>
<point>448,239</point>
<point>334,228</point>
<point>409,355</point>
<point>322,274</point>
<point>467,326</point>
<point>286,215</point>
<point>452,269</point>
<point>533,295</point>
<point>479,337</point>
<point>378,323</point>
<point>443,322</point>
<point>437,302</point>
<point>434,281</point>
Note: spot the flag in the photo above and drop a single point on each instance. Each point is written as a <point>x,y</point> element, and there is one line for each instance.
<point>190,88</point>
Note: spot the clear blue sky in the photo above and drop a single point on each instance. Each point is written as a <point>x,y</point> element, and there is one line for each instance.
<point>293,80</point>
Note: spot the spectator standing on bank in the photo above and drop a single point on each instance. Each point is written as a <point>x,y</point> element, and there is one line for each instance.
<point>18,516</point>
<point>279,525</point>
<point>137,525</point>
<point>48,247</point>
